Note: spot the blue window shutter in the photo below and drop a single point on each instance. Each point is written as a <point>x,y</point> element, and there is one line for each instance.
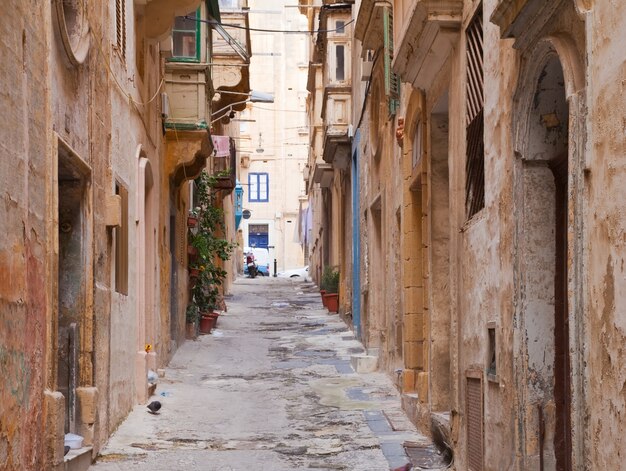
<point>258,187</point>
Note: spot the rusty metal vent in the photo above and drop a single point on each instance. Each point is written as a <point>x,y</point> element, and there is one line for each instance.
<point>475,149</point>
<point>474,410</point>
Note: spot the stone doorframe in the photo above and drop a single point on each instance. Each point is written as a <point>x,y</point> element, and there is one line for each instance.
<point>145,223</point>
<point>534,60</point>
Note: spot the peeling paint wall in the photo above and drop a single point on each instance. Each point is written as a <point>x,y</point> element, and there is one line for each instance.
<point>24,237</point>
<point>605,242</point>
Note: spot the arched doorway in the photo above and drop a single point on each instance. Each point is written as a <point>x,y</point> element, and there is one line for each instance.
<point>542,187</point>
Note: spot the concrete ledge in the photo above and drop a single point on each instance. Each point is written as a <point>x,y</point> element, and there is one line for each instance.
<point>78,460</point>
<point>364,363</point>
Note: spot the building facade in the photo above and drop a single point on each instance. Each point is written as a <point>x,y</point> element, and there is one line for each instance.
<point>488,222</point>
<point>102,140</point>
<point>273,136</point>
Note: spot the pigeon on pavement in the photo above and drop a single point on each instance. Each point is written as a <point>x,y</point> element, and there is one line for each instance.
<point>154,407</point>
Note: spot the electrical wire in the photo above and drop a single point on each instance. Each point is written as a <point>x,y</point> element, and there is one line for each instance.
<point>288,31</point>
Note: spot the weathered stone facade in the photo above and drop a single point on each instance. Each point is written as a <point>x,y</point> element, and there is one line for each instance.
<point>490,228</point>
<point>93,286</point>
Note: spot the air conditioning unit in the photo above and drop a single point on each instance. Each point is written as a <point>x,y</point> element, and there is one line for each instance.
<point>165,106</point>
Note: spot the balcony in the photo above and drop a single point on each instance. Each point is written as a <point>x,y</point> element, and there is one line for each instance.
<point>336,115</point>
<point>428,36</point>
<point>224,162</point>
<point>160,14</point>
<point>370,28</point>
<point>186,87</point>
<point>323,174</point>
<point>522,19</point>
<point>231,57</point>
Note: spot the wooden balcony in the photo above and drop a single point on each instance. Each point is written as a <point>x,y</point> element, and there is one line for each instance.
<point>187,88</point>
<point>336,116</point>
<point>224,162</point>
<point>231,56</point>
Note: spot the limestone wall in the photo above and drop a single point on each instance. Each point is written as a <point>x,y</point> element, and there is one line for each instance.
<point>26,238</point>
<point>604,235</point>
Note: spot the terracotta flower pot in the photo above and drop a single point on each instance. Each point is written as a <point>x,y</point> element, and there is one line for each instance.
<point>322,293</point>
<point>194,273</point>
<point>192,221</point>
<point>206,324</point>
<point>331,302</point>
<point>191,331</point>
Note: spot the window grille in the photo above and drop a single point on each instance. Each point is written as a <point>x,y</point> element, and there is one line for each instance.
<point>474,410</point>
<point>475,150</point>
<point>120,26</point>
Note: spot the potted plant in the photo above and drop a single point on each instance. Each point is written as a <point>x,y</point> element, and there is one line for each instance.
<point>330,286</point>
<point>211,246</point>
<point>192,314</point>
<point>192,219</point>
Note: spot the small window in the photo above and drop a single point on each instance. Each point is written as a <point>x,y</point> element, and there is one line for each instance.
<point>121,244</point>
<point>186,38</point>
<point>340,27</point>
<point>258,187</point>
<point>417,145</point>
<point>231,4</point>
<point>340,66</point>
<point>492,370</point>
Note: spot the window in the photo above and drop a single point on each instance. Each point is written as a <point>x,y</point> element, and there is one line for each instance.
<point>186,38</point>
<point>340,27</point>
<point>258,187</point>
<point>475,147</point>
<point>229,4</point>
<point>340,66</point>
<point>492,369</point>
<point>120,26</point>
<point>417,145</point>
<point>121,244</point>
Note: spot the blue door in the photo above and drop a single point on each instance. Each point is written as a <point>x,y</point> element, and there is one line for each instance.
<point>258,235</point>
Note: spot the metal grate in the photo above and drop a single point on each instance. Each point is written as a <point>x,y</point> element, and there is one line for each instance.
<point>474,411</point>
<point>181,233</point>
<point>475,149</point>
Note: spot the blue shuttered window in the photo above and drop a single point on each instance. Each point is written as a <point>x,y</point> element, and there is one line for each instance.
<point>258,187</point>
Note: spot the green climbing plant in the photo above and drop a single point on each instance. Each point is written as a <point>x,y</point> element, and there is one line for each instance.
<point>330,280</point>
<point>212,247</point>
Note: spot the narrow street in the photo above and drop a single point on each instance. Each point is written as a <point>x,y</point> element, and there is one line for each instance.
<point>271,389</point>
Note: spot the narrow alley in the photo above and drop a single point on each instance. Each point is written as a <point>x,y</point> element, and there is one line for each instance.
<point>271,389</point>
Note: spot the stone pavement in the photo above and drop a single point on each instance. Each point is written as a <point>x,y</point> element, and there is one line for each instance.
<point>271,389</point>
